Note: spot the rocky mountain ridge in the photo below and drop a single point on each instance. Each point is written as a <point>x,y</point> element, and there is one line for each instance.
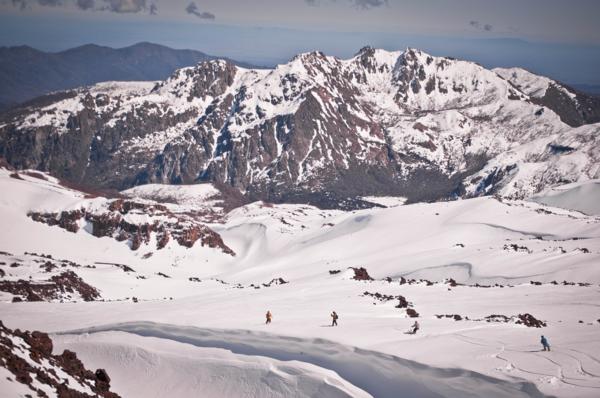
<point>316,130</point>
<point>26,72</point>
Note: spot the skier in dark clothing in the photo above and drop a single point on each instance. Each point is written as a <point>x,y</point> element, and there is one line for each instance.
<point>269,317</point>
<point>334,317</point>
<point>414,328</point>
<point>545,343</point>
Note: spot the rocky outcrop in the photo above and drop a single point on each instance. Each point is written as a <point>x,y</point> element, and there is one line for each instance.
<point>29,359</point>
<point>116,220</point>
<point>64,286</point>
<point>361,274</point>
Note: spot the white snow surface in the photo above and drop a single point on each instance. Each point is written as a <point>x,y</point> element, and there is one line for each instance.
<point>529,83</point>
<point>242,363</point>
<point>188,330</point>
<point>582,196</point>
<point>197,195</point>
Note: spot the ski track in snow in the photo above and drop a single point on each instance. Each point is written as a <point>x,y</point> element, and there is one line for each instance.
<point>526,233</point>
<point>563,369</point>
<point>381,375</point>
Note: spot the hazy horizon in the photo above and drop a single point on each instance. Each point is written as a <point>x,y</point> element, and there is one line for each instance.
<point>557,38</point>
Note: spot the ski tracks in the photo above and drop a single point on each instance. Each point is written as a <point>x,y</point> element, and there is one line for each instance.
<point>564,365</point>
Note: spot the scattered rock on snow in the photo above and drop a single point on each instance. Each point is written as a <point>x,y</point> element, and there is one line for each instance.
<point>361,274</point>
<point>275,281</point>
<point>530,321</point>
<point>516,248</point>
<point>64,286</point>
<point>412,313</point>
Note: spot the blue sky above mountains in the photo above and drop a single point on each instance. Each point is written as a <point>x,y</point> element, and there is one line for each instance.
<point>559,38</point>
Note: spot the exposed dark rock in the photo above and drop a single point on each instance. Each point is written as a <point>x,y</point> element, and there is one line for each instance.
<point>186,230</point>
<point>530,321</point>
<point>275,281</point>
<point>456,317</point>
<point>412,313</point>
<point>516,248</point>
<point>58,287</point>
<point>451,282</point>
<point>402,303</point>
<point>584,109</point>
<point>361,274</point>
<point>39,346</point>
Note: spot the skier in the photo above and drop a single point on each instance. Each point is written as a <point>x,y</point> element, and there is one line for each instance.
<point>414,328</point>
<point>335,317</point>
<point>269,317</point>
<point>545,344</point>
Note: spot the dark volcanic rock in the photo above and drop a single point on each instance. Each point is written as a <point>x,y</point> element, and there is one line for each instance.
<point>530,321</point>
<point>185,230</point>
<point>361,274</point>
<point>47,367</point>
<point>58,287</point>
<point>412,313</point>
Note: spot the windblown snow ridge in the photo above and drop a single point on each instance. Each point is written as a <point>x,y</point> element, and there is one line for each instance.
<point>379,374</point>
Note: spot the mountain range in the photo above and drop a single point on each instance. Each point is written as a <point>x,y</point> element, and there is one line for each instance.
<point>318,130</point>
<point>26,72</point>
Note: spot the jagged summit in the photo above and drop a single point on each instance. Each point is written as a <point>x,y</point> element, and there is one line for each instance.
<point>317,129</point>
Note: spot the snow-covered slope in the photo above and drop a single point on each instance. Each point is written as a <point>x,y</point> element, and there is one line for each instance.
<point>531,84</point>
<point>317,129</point>
<point>583,197</point>
<point>575,108</point>
<point>479,275</point>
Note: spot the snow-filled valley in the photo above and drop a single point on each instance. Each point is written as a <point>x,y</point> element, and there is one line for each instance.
<point>167,288</point>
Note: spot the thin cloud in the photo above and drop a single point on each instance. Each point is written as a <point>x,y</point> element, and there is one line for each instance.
<point>86,4</point>
<point>360,4</point>
<point>21,4</point>
<point>193,9</point>
<point>125,6</point>
<point>50,3</point>
<point>367,4</point>
<point>479,26</point>
<point>116,6</point>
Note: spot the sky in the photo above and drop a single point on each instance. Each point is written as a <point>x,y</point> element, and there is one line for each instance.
<point>558,38</point>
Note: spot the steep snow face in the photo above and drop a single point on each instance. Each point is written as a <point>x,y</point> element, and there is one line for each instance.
<point>375,124</point>
<point>529,83</point>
